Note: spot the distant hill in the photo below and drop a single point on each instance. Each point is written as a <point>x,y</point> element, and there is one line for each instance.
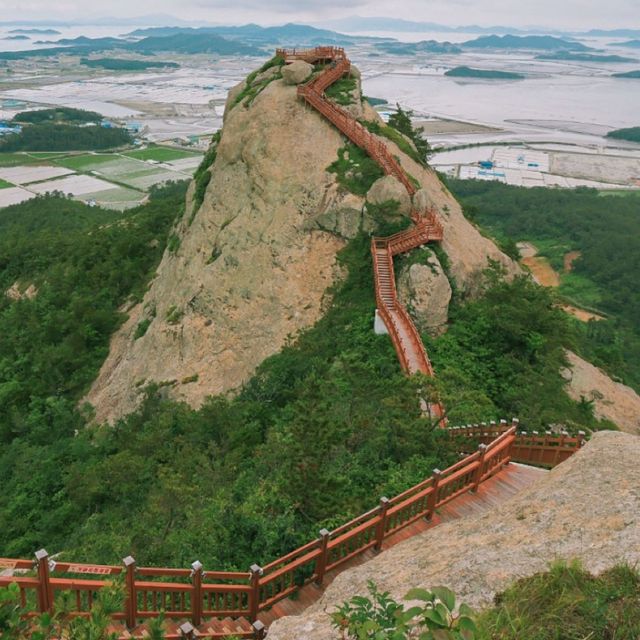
<point>410,48</point>
<point>490,74</point>
<point>628,74</point>
<point>190,43</point>
<point>543,43</point>
<point>634,44</point>
<point>616,33</point>
<point>39,32</point>
<point>83,41</point>
<point>17,38</point>
<point>289,34</point>
<point>583,57</point>
<point>194,43</point>
<point>380,23</point>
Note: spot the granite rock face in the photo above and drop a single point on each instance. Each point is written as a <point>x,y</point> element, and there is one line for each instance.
<point>297,72</point>
<point>249,271</point>
<point>389,189</point>
<point>611,400</point>
<point>425,291</point>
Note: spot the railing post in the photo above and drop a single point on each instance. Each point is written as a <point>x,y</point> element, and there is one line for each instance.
<point>321,564</point>
<point>259,630</point>
<point>196,596</point>
<point>482,449</point>
<point>255,572</point>
<point>432,500</point>
<point>382,524</point>
<point>45,592</point>
<point>131,603</point>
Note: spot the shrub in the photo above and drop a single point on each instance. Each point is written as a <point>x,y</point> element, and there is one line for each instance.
<point>382,618</point>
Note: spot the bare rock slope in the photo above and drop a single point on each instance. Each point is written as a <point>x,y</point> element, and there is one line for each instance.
<point>251,266</point>
<point>611,400</point>
<point>586,508</point>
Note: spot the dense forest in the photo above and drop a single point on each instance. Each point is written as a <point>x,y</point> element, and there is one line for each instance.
<point>64,137</point>
<point>66,115</point>
<point>605,229</point>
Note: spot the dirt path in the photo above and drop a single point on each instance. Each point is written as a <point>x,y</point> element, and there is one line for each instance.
<point>543,273</point>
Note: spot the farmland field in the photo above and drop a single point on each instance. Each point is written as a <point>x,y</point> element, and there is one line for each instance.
<point>14,159</point>
<point>86,162</point>
<point>160,154</point>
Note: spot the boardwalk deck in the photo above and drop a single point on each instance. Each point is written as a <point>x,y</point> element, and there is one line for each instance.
<point>491,493</point>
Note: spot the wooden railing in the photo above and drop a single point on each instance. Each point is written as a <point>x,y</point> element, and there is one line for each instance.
<point>197,595</point>
<point>542,449</point>
<point>404,335</point>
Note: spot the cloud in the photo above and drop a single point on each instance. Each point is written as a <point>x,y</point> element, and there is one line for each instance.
<point>288,6</point>
<point>568,14</point>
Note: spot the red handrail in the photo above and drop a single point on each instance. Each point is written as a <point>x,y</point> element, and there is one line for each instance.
<point>404,335</point>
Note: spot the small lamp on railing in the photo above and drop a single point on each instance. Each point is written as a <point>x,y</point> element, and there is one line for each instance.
<point>196,567</point>
<point>187,630</point>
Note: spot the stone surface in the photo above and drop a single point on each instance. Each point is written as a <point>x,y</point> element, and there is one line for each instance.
<point>344,215</point>
<point>425,291</point>
<point>389,188</point>
<point>271,72</point>
<point>586,508</point>
<point>249,272</point>
<point>297,72</point>
<point>422,200</point>
<point>18,291</point>
<point>611,400</point>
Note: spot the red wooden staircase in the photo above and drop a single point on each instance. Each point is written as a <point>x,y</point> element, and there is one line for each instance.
<point>404,335</point>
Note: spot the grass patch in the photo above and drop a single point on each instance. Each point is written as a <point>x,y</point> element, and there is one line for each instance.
<point>160,154</point>
<point>4,184</point>
<point>567,603</point>
<point>142,327</point>
<point>250,90</point>
<point>355,170</point>
<point>15,159</point>
<point>620,193</point>
<point>342,91</point>
<point>580,290</point>
<point>45,155</point>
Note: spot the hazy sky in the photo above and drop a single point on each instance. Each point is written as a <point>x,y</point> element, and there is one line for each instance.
<point>577,14</point>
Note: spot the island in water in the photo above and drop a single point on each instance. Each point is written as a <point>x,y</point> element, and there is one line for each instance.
<point>627,74</point>
<point>40,32</point>
<point>488,74</point>
<point>583,57</point>
<point>631,134</point>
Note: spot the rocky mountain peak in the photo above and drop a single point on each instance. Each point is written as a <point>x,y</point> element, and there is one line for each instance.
<point>251,258</point>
